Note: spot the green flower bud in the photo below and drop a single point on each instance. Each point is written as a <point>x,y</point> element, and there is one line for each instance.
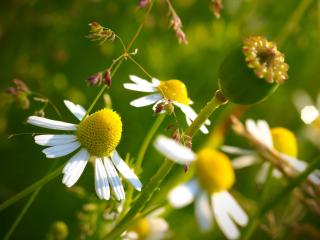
<point>251,73</point>
<point>58,231</point>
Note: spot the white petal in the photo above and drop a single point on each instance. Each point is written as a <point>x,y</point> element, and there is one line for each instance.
<point>262,173</point>
<point>204,129</point>
<point>125,171</point>
<point>114,179</point>
<point>54,139</point>
<point>82,155</point>
<point>74,168</point>
<point>244,161</point>
<point>77,110</point>
<point>189,112</point>
<point>155,82</point>
<point>276,173</point>
<point>51,124</point>
<point>183,195</point>
<point>203,212</point>
<point>139,88</point>
<point>139,81</point>
<point>234,209</point>
<point>146,100</point>
<point>265,134</point>
<point>301,99</point>
<point>101,180</point>
<point>253,129</point>
<point>308,114</point>
<point>173,150</point>
<point>154,107</point>
<point>61,150</point>
<point>158,228</point>
<point>236,150</point>
<point>227,226</point>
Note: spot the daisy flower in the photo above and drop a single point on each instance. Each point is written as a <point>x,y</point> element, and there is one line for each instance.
<point>150,227</point>
<point>209,190</point>
<point>309,114</point>
<point>97,137</point>
<point>280,140</point>
<point>163,94</point>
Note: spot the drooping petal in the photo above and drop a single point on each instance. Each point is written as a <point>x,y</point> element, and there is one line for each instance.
<point>183,195</point>
<point>224,221</point>
<point>174,151</point>
<point>61,150</point>
<point>188,111</point>
<point>74,168</point>
<point>125,171</point>
<point>146,100</point>
<point>101,180</point>
<point>114,180</point>
<point>265,134</point>
<point>51,124</point>
<point>54,139</point>
<point>262,174</point>
<point>245,161</point>
<point>203,212</point>
<point>77,110</point>
<point>234,209</point>
<point>139,88</point>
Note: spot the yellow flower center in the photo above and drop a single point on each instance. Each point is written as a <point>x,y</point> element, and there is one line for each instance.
<point>141,227</point>
<point>284,141</point>
<point>174,90</point>
<point>100,133</point>
<point>214,170</point>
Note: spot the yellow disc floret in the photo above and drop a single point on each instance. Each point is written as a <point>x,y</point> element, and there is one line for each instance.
<point>100,133</point>
<point>214,170</point>
<point>284,141</point>
<point>174,90</point>
<point>141,227</point>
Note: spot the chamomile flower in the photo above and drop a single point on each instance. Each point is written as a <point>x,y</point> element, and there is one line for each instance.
<point>150,227</point>
<point>164,93</point>
<point>310,115</point>
<point>209,190</point>
<point>278,139</point>
<point>97,137</point>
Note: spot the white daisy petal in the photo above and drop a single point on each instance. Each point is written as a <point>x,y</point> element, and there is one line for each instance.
<point>146,100</point>
<point>74,168</point>
<point>183,195</point>
<point>262,174</point>
<point>114,179</point>
<point>139,81</point>
<point>244,161</point>
<point>204,129</point>
<point>253,129</point>
<point>234,209</point>
<point>236,150</point>
<point>139,88</point>
<point>227,226</point>
<point>155,82</point>
<point>51,124</point>
<point>158,228</point>
<point>203,212</point>
<point>82,155</point>
<point>173,150</point>
<point>77,110</point>
<point>265,133</point>
<point>125,171</point>
<point>301,99</point>
<point>189,112</point>
<point>54,139</point>
<point>308,114</point>
<point>101,180</point>
<point>154,107</point>
<point>61,150</point>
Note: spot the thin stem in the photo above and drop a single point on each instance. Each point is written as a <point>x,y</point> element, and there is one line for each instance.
<point>164,170</point>
<point>147,140</point>
<point>266,207</point>
<point>139,65</point>
<point>31,188</point>
<point>293,21</point>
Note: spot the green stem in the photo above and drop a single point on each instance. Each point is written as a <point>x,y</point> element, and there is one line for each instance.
<point>265,208</point>
<point>293,21</point>
<point>147,140</point>
<point>31,188</point>
<point>164,170</point>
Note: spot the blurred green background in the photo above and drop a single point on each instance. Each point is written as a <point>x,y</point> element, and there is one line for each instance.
<point>43,43</point>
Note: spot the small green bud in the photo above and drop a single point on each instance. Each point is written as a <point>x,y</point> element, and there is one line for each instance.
<point>58,231</point>
<point>251,73</point>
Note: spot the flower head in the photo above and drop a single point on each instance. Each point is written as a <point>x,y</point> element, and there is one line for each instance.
<point>209,189</point>
<point>97,136</point>
<point>280,141</point>
<point>165,95</point>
